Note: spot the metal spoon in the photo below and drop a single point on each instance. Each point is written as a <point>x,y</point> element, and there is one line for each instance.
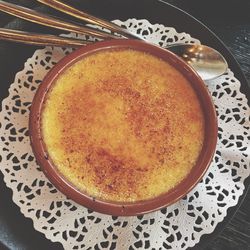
<point>206,61</point>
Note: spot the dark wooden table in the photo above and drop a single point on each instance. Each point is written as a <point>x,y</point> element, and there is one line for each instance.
<point>230,21</point>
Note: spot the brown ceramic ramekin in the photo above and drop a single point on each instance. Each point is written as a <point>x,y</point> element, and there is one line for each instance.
<point>135,208</point>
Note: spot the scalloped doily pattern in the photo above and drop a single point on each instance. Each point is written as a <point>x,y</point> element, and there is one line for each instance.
<point>176,227</point>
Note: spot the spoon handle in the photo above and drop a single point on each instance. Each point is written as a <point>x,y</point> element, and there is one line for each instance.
<point>39,39</point>
<point>50,21</point>
<point>83,16</point>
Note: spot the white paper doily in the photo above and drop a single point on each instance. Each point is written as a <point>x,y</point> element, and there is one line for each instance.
<point>177,227</point>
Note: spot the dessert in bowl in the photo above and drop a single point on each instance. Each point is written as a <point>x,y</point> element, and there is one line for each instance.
<point>123,127</point>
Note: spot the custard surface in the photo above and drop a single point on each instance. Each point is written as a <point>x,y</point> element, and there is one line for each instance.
<point>122,125</point>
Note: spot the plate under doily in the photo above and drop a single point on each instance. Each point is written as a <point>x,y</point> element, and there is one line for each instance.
<point>177,227</point>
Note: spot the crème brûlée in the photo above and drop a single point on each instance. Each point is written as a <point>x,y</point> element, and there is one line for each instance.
<point>122,125</point>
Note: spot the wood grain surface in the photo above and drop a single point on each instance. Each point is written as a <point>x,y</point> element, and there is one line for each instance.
<point>230,21</point>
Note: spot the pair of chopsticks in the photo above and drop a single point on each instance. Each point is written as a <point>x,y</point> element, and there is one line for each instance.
<point>55,22</point>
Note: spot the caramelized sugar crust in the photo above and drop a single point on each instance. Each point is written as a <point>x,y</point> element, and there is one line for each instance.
<point>123,125</point>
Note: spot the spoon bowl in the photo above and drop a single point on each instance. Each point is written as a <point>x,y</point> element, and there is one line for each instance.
<point>206,61</point>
